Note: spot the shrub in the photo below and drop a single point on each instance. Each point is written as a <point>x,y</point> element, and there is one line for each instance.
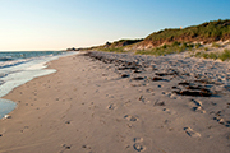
<point>190,48</point>
<point>176,43</point>
<point>214,44</point>
<point>185,44</point>
<point>181,49</point>
<point>198,45</point>
<point>225,56</point>
<point>198,54</point>
<point>213,56</point>
<point>205,56</point>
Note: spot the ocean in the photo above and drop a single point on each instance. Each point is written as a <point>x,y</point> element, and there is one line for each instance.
<point>17,68</point>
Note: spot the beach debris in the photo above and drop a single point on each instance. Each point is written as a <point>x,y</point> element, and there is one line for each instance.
<point>6,117</point>
<point>84,146</point>
<point>131,118</point>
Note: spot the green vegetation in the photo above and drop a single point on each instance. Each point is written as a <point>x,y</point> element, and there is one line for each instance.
<point>197,45</point>
<point>205,56</point>
<point>198,54</point>
<point>217,29</point>
<point>214,44</point>
<point>174,48</point>
<point>156,53</point>
<point>111,49</point>
<point>176,43</point>
<point>222,56</point>
<point>225,56</point>
<point>178,40</point>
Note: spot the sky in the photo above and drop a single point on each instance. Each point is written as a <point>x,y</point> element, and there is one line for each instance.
<point>30,25</point>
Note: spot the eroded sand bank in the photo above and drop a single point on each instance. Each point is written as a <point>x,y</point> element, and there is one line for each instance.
<point>89,106</point>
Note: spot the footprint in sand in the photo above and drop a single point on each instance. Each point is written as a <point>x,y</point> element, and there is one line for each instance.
<point>131,118</point>
<point>219,116</point>
<point>138,144</point>
<point>196,106</point>
<point>65,147</point>
<point>192,133</point>
<point>67,122</point>
<point>112,106</point>
<point>138,140</point>
<point>162,103</point>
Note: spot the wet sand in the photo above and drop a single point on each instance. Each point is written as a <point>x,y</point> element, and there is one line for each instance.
<point>92,107</point>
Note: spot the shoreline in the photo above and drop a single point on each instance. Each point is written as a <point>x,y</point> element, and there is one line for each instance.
<point>21,86</point>
<point>87,107</point>
<point>44,70</point>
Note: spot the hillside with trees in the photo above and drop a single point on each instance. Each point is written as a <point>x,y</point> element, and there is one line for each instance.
<point>215,30</point>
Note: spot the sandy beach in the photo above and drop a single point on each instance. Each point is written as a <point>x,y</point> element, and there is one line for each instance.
<point>88,106</point>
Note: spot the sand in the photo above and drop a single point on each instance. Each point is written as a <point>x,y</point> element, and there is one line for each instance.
<point>85,107</point>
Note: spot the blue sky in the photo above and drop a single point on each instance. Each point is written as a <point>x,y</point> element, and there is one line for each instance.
<point>58,24</point>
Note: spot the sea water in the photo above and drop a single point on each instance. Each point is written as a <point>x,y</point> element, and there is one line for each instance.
<point>17,68</point>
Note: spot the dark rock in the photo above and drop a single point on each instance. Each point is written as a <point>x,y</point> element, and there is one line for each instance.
<point>136,71</point>
<point>138,78</point>
<point>124,76</point>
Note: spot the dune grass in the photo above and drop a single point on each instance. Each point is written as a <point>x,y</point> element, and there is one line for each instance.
<point>222,56</point>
